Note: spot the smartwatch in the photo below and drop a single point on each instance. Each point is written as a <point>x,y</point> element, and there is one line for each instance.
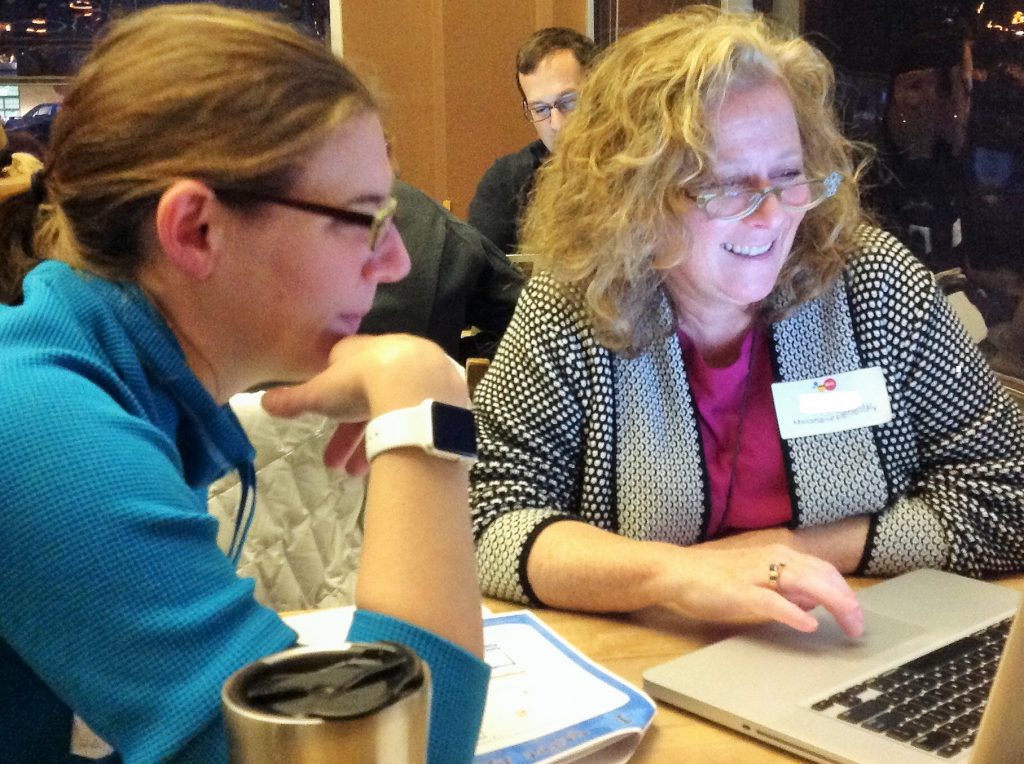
<point>440,429</point>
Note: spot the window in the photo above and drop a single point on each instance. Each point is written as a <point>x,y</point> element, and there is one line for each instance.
<point>938,87</point>
<point>10,102</point>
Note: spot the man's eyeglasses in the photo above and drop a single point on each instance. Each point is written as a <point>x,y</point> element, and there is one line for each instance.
<point>540,111</point>
<point>736,204</point>
<point>377,222</point>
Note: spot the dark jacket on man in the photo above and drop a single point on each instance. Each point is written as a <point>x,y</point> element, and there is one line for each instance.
<point>502,194</point>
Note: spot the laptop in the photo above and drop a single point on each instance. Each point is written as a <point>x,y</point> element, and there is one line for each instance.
<point>915,688</point>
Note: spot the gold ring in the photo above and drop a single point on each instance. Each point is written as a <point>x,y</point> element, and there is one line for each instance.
<point>774,571</point>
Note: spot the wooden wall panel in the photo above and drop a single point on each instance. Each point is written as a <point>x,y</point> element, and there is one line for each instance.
<point>446,69</point>
<point>562,13</point>
<point>395,46</point>
<point>635,13</point>
<point>484,117</point>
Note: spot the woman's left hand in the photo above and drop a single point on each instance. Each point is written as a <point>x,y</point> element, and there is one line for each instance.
<point>368,376</point>
<point>768,581</point>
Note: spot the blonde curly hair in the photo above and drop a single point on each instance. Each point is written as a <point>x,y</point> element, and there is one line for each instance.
<point>605,213</point>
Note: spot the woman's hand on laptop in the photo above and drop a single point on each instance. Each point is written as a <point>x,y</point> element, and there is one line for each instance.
<point>575,566</point>
<point>725,582</point>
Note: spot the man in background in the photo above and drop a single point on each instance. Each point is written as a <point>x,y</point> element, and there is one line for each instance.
<point>549,69</point>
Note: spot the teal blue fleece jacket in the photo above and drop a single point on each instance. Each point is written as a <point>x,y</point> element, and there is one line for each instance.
<point>118,604</point>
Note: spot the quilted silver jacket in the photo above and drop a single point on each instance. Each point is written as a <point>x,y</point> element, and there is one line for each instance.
<point>304,544</point>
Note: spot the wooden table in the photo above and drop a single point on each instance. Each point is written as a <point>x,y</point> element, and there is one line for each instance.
<point>629,644</point>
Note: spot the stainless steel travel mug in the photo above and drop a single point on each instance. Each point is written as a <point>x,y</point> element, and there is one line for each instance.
<point>369,703</point>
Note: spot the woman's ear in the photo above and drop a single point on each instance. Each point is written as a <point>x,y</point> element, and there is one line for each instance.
<point>183,227</point>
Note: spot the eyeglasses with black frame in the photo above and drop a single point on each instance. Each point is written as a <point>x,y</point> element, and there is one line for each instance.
<point>736,204</point>
<point>377,222</point>
<point>542,111</point>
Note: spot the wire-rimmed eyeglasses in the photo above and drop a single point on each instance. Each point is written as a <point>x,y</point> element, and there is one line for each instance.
<point>377,222</point>
<point>735,204</point>
<point>538,112</point>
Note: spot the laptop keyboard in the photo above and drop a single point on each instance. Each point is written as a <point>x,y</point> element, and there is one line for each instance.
<point>933,702</point>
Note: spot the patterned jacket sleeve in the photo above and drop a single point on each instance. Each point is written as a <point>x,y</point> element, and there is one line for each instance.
<point>532,408</point>
<point>955,449</point>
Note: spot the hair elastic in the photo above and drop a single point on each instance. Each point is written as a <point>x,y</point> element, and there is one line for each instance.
<point>38,187</point>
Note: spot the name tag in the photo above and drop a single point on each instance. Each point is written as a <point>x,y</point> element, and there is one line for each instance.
<point>832,403</point>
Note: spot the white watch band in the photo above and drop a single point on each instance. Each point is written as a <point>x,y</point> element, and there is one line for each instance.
<point>439,429</point>
<point>397,429</point>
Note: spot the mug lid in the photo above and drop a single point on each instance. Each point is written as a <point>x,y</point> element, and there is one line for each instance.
<point>336,684</point>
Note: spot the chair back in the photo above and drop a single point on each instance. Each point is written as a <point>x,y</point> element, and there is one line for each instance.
<point>523,262</point>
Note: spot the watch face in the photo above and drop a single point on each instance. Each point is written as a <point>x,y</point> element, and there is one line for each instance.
<point>454,429</point>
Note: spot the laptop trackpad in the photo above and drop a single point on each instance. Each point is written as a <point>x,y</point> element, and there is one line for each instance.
<point>881,633</point>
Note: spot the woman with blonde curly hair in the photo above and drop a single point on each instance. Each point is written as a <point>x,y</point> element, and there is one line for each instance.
<point>725,388</point>
<point>214,213</point>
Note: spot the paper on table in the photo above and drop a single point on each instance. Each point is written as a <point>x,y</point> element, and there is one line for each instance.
<point>325,628</point>
<point>547,702</point>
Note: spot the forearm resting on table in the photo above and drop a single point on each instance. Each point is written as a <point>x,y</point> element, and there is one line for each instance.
<point>418,562</point>
<point>576,566</point>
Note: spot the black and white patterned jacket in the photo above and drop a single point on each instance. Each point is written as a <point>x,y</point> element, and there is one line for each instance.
<point>570,430</point>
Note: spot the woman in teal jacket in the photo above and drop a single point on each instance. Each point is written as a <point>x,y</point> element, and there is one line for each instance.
<point>214,213</point>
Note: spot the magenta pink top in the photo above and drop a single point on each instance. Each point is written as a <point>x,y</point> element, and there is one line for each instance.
<point>760,489</point>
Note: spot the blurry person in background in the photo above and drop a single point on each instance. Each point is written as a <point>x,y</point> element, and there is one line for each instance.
<point>15,166</point>
<point>458,279</point>
<point>996,258</point>
<point>549,69</point>
<point>922,185</point>
<point>22,142</point>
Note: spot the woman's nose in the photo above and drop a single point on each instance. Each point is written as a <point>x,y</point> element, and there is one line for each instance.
<point>391,259</point>
<point>769,212</point>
